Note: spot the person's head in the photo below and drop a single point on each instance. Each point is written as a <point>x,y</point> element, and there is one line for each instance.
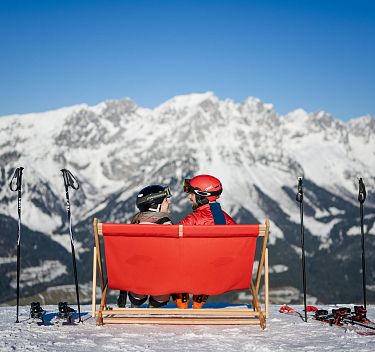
<point>202,189</point>
<point>154,198</point>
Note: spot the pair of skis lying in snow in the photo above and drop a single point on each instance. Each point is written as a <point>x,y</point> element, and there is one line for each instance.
<point>342,317</point>
<point>64,316</point>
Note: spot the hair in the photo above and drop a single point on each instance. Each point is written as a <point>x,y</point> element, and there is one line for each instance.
<point>136,218</point>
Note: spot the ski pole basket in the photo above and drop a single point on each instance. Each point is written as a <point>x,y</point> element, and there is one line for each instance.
<point>158,260</point>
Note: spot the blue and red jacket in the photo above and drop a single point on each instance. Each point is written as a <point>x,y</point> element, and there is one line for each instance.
<point>203,216</point>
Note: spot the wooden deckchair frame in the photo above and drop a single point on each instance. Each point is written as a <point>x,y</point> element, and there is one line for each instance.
<point>211,316</point>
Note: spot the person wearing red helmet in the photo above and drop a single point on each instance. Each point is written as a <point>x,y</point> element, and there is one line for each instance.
<point>203,192</point>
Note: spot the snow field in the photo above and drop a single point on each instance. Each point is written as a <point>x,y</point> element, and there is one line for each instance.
<point>283,333</point>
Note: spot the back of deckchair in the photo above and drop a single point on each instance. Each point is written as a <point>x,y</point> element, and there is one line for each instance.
<point>154,259</point>
<point>158,259</point>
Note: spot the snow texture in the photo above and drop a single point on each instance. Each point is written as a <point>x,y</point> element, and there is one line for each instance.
<point>283,333</point>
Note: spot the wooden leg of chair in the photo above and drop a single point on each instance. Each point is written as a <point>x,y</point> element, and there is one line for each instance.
<point>99,321</point>
<point>103,300</point>
<point>266,286</point>
<point>99,255</point>
<point>257,306</point>
<point>262,321</point>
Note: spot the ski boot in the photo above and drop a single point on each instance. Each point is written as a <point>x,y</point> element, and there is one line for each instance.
<point>199,301</point>
<point>66,312</point>
<point>153,303</point>
<point>36,312</point>
<point>322,315</point>
<point>181,300</point>
<point>121,300</point>
<point>136,302</point>
<point>340,314</point>
<point>359,314</point>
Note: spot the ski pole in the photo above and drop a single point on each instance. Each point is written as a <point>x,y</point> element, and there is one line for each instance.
<point>299,199</point>
<point>361,199</point>
<point>16,186</point>
<point>71,181</point>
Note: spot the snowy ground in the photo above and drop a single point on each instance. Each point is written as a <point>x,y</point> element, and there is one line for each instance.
<point>284,333</point>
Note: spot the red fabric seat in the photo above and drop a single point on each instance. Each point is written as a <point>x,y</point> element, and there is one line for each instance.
<point>156,259</point>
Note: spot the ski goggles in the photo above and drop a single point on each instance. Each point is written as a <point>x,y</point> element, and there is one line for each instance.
<point>166,193</point>
<point>188,188</point>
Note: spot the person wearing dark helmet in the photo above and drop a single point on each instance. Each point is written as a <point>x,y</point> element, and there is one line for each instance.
<point>153,203</point>
<point>203,192</point>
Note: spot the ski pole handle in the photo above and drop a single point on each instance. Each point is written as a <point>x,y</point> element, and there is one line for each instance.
<point>362,191</point>
<point>69,179</point>
<point>299,196</point>
<point>16,182</point>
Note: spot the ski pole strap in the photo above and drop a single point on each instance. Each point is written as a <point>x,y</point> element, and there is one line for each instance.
<point>299,196</point>
<point>69,179</point>
<point>362,191</point>
<point>217,213</point>
<point>16,182</point>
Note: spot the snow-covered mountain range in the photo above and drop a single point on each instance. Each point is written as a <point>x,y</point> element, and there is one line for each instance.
<point>115,148</point>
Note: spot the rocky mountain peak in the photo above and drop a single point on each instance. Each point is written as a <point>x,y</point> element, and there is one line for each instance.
<point>117,147</point>
<point>362,126</point>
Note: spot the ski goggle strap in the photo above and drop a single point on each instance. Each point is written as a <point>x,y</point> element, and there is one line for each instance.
<point>188,188</point>
<point>16,182</point>
<point>166,193</point>
<point>69,179</point>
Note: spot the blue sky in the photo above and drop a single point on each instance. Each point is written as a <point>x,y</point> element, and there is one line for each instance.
<point>318,55</point>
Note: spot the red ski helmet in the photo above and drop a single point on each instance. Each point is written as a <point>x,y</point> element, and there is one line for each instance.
<point>206,186</point>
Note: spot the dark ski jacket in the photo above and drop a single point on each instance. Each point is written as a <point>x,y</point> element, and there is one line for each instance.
<point>151,217</point>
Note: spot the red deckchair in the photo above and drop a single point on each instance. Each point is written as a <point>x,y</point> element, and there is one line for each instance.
<point>157,260</point>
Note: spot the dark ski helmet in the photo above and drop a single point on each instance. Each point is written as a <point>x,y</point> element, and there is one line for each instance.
<point>150,197</point>
<point>207,188</point>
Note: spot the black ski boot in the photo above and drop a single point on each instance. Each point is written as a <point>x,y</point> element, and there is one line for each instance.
<point>321,314</point>
<point>136,302</point>
<point>36,311</point>
<point>153,303</point>
<point>65,312</point>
